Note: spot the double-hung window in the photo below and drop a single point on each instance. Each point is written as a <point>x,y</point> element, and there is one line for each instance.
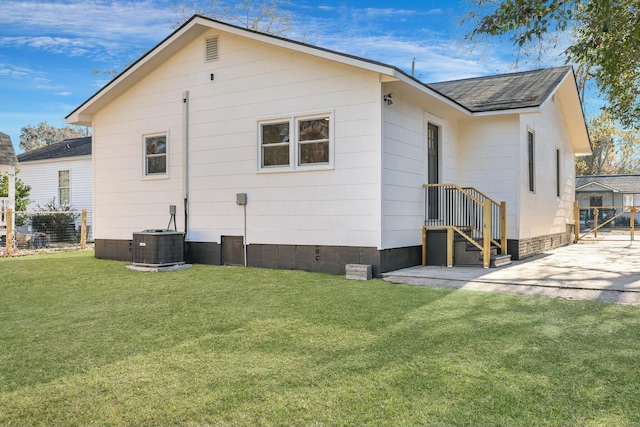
<point>296,143</point>
<point>275,144</point>
<point>64,188</point>
<point>155,155</point>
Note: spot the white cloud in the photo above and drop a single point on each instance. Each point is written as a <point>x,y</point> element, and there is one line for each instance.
<point>8,70</point>
<point>81,27</point>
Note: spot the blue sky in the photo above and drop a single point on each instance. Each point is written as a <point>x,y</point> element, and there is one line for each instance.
<point>49,48</point>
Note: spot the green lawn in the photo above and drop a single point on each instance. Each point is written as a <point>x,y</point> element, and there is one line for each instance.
<point>88,342</point>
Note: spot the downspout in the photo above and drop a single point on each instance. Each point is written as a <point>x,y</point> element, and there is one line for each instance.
<point>185,161</point>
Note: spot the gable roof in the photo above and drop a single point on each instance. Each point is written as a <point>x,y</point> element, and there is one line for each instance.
<point>628,183</point>
<point>503,92</point>
<point>71,147</point>
<point>7,153</point>
<point>563,77</point>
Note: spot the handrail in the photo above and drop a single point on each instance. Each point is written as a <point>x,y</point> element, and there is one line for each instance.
<point>468,212</point>
<point>456,187</point>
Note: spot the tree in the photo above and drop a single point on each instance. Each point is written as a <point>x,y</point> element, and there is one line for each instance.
<point>265,16</point>
<point>44,134</point>
<point>613,149</point>
<point>604,45</point>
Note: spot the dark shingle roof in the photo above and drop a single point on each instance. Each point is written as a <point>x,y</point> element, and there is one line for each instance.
<point>623,183</point>
<point>503,92</point>
<point>72,147</point>
<point>7,154</point>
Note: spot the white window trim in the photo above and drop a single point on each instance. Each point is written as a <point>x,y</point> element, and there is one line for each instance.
<point>294,143</point>
<point>154,176</point>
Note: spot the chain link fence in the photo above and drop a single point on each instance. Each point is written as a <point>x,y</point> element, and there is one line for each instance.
<point>44,231</point>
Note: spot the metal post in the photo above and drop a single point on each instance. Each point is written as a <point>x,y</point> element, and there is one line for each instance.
<point>632,222</point>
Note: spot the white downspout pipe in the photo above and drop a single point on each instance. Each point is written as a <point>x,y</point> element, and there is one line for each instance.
<point>185,161</point>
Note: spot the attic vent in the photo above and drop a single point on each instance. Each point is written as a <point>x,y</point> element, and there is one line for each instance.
<point>211,52</point>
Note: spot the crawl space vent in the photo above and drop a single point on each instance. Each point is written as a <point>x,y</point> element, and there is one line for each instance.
<point>211,52</point>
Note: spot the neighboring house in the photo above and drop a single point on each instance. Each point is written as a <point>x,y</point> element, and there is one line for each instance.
<point>331,150</point>
<point>60,172</point>
<point>8,163</point>
<point>612,192</point>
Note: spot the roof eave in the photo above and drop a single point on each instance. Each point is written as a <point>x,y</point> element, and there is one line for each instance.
<point>615,190</point>
<point>83,115</point>
<point>55,159</point>
<point>571,106</point>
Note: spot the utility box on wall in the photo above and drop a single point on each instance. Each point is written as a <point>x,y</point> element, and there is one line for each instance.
<point>158,248</point>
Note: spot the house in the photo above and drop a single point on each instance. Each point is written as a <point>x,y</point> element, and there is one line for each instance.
<point>59,172</point>
<point>612,192</point>
<point>8,163</point>
<point>286,155</point>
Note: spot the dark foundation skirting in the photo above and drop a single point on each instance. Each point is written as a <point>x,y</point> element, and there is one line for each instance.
<point>325,259</point>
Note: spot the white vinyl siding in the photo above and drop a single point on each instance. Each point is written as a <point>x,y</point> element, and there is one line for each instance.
<point>43,175</point>
<point>334,203</point>
<point>543,212</point>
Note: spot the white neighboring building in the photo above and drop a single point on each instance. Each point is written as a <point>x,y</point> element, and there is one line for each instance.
<point>60,171</point>
<point>8,163</point>
<point>332,151</point>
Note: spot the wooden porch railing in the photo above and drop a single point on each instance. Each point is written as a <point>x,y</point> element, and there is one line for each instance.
<point>468,212</point>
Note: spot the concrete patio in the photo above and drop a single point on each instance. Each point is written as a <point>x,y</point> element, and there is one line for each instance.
<point>605,270</point>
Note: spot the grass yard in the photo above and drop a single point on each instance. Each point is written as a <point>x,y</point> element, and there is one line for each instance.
<point>88,342</point>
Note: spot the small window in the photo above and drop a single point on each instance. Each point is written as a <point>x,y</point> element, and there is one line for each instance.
<point>296,142</point>
<point>558,177</point>
<point>155,159</point>
<point>211,49</point>
<point>531,158</point>
<point>64,190</point>
<point>275,144</point>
